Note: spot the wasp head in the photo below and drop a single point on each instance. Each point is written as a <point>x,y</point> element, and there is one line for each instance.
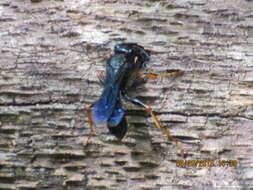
<point>133,49</point>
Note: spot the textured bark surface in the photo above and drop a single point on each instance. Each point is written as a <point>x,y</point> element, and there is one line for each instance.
<point>50,53</point>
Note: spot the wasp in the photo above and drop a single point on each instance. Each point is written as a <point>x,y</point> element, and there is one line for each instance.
<point>123,69</point>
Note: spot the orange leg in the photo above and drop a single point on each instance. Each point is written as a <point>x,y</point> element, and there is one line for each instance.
<point>101,76</point>
<point>156,76</point>
<point>91,124</point>
<point>163,129</point>
<point>150,109</point>
<point>157,121</point>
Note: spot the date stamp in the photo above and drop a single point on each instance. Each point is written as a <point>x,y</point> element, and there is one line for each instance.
<point>206,163</point>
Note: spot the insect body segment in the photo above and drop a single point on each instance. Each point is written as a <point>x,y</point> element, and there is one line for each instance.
<point>108,109</point>
<point>104,108</point>
<point>122,70</point>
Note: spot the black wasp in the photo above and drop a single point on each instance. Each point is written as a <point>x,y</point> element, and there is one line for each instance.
<point>122,70</point>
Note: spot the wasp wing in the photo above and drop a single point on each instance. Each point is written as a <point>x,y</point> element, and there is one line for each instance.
<point>117,123</point>
<point>117,115</point>
<point>104,107</point>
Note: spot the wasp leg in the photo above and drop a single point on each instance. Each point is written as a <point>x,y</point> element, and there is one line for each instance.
<point>157,121</point>
<point>91,123</point>
<point>156,76</point>
<point>101,77</point>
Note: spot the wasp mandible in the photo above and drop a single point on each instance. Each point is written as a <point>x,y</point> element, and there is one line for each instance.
<point>122,70</point>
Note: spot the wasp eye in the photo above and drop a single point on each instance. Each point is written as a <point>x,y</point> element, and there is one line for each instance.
<point>123,48</point>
